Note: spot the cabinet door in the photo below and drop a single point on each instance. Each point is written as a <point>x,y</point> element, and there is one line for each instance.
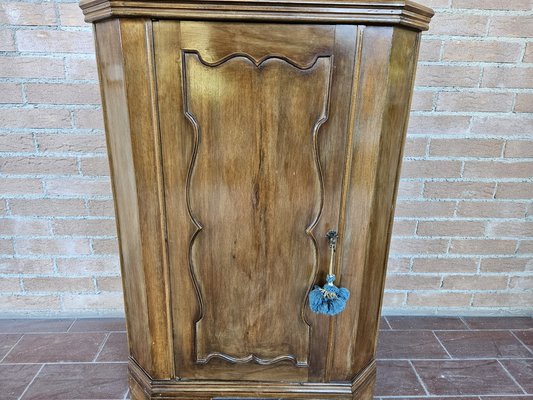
<point>253,121</point>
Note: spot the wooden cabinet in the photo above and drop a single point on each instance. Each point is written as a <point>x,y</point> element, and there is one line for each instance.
<point>239,134</point>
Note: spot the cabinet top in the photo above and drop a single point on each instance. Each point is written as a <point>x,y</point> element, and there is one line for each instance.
<point>374,12</point>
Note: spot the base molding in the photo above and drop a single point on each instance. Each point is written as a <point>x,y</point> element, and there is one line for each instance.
<point>142,387</point>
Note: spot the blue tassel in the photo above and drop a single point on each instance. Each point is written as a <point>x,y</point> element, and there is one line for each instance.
<point>330,299</point>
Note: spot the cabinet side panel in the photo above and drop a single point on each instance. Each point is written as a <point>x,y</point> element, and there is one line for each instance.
<point>404,54</point>
<point>112,83</point>
<point>136,39</point>
<point>382,104</point>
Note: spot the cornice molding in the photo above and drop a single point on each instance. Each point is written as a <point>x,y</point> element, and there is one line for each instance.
<point>378,12</point>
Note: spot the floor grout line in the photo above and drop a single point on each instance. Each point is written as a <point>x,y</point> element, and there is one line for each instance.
<point>419,378</point>
<point>512,377</point>
<point>520,340</point>
<point>11,349</point>
<point>31,382</point>
<point>71,325</point>
<point>444,347</point>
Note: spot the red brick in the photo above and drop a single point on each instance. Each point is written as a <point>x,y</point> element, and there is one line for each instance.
<point>528,55</point>
<point>10,93</point>
<point>84,227</point>
<point>422,101</point>
<point>31,67</point>
<point>432,209</point>
<point>511,26</point>
<point>41,41</point>
<point>431,169</point>
<point>6,40</point>
<point>18,13</point>
<point>519,148</point>
<point>415,147</point>
<point>466,147</point>
<point>79,143</point>
<point>26,266</point>
<point>493,4</point>
<point>429,49</point>
<point>447,75</point>
<point>404,227</point>
<point>475,101</point>
<point>105,246</point>
<point>105,301</point>
<point>48,207</point>
<point>81,68</point>
<point>482,246</point>
<point>518,229</point>
<point>525,247</point>
<point>450,228</point>
<point>10,285</point>
<point>442,265</point>
<point>22,186</point>
<point>89,119</point>
<point>22,142</point>
<point>513,125</point>
<point>398,265</point>
<point>412,282</point>
<point>95,166</point>
<point>29,303</point>
<point>474,282</point>
<point>506,264</point>
<point>418,246</point>
<point>58,284</point>
<point>88,265</point>
<point>59,93</point>
<point>438,299</point>
<point>34,118</point>
<point>499,300</point>
<point>436,3</point>
<point>521,282</point>
<point>439,124</point>
<point>479,51</point>
<point>514,190</point>
<point>78,187</point>
<point>38,165</point>
<point>109,284</point>
<point>23,227</point>
<point>410,189</point>
<point>70,14</point>
<point>491,209</point>
<point>524,103</point>
<point>68,246</point>
<point>497,169</point>
<point>101,208</point>
<point>459,190</point>
<point>393,299</point>
<point>507,77</point>
<point>458,24</point>
<point>6,246</point>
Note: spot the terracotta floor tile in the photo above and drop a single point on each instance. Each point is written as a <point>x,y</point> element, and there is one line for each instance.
<point>499,323</point>
<point>522,371</point>
<point>505,398</point>
<point>465,377</point>
<point>431,323</point>
<point>15,378</point>
<point>526,337</point>
<point>61,347</point>
<point>34,325</point>
<point>397,378</point>
<point>383,324</point>
<point>99,325</point>
<point>409,345</point>
<point>115,348</point>
<point>79,381</point>
<point>7,341</point>
<point>482,344</point>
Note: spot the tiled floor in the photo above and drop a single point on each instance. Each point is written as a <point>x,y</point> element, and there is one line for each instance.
<point>418,358</point>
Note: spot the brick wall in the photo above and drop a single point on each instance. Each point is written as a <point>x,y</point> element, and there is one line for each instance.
<point>463,236</point>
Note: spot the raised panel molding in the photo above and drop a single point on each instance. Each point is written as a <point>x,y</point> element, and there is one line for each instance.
<point>228,194</point>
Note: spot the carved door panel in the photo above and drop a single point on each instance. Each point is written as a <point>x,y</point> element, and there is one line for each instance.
<point>253,128</point>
